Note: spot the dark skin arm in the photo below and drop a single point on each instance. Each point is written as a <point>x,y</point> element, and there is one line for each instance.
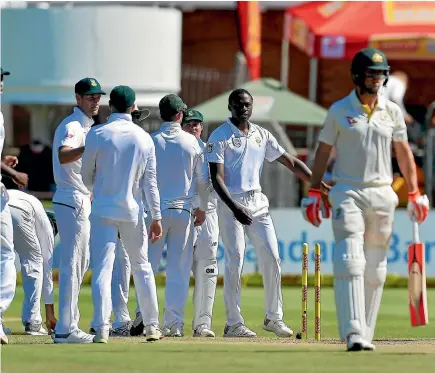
<point>68,154</point>
<point>296,166</point>
<point>217,179</point>
<point>19,178</point>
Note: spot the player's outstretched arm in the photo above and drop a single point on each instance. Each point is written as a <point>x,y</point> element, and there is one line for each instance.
<point>217,179</point>
<point>19,178</point>
<point>296,166</point>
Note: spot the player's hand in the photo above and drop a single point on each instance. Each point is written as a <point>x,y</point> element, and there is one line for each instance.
<point>242,215</point>
<point>50,323</point>
<point>156,230</point>
<point>199,217</point>
<point>10,160</point>
<point>21,179</point>
<point>418,206</point>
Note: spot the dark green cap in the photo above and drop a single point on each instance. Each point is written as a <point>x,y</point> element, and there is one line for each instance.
<point>191,114</point>
<point>88,86</point>
<point>369,58</point>
<point>122,97</point>
<point>4,72</point>
<point>171,105</point>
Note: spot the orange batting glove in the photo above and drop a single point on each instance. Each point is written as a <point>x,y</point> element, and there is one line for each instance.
<point>418,206</point>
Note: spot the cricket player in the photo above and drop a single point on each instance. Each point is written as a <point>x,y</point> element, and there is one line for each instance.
<point>362,127</point>
<point>236,151</point>
<point>34,233</point>
<point>121,151</point>
<point>72,206</point>
<point>181,172</point>
<point>8,273</point>
<point>205,243</point>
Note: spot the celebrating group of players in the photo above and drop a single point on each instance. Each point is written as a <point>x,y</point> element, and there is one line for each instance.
<point>123,194</point>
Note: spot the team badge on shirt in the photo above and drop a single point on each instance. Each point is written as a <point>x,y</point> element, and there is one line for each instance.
<point>384,115</point>
<point>258,140</point>
<point>351,121</point>
<point>237,142</point>
<point>69,136</point>
<point>210,147</point>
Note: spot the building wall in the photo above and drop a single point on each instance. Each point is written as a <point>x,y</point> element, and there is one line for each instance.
<point>210,40</point>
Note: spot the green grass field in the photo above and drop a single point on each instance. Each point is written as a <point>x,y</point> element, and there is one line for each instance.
<point>398,347</point>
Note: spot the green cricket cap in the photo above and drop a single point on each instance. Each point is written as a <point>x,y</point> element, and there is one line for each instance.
<point>191,114</point>
<point>122,97</point>
<point>88,86</point>
<point>370,58</point>
<point>4,72</point>
<point>171,105</point>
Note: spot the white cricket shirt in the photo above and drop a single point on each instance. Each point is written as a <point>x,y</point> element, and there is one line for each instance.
<point>212,200</point>
<point>363,141</point>
<point>181,167</point>
<point>71,132</point>
<point>242,155</point>
<point>19,203</point>
<point>119,167</point>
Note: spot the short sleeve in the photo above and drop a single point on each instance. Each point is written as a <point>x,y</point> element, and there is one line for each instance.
<point>400,130</point>
<point>72,135</point>
<point>273,149</point>
<point>215,149</point>
<point>328,133</point>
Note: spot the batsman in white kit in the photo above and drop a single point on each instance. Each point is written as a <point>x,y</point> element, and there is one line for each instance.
<point>34,232</point>
<point>8,272</point>
<point>362,127</point>
<point>205,244</point>
<point>236,151</point>
<point>119,167</point>
<point>72,206</point>
<point>181,172</point>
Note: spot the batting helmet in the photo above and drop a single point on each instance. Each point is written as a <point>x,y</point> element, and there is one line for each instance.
<point>368,58</point>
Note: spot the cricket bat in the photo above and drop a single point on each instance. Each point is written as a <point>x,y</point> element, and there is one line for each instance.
<point>417,280</point>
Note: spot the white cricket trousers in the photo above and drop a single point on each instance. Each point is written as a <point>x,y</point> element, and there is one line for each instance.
<point>362,220</point>
<point>72,219</point>
<point>262,236</point>
<point>33,241</point>
<point>8,272</point>
<point>104,237</point>
<point>178,235</point>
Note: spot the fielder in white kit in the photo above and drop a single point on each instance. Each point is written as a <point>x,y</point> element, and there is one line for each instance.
<point>119,166</point>
<point>34,232</point>
<point>72,206</point>
<point>8,273</point>
<point>181,172</point>
<point>236,152</point>
<point>205,244</point>
<point>362,127</point>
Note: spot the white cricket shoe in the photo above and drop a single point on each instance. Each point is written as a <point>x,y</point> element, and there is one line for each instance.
<point>101,336</point>
<point>356,343</point>
<point>3,338</point>
<point>152,333</point>
<point>176,330</point>
<point>203,331</point>
<point>77,336</point>
<point>34,329</point>
<point>238,331</point>
<point>278,327</point>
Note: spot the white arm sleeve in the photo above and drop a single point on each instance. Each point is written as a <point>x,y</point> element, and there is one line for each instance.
<point>400,130</point>
<point>149,185</point>
<point>202,180</point>
<point>44,232</point>
<point>89,160</point>
<point>329,132</point>
<point>72,135</point>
